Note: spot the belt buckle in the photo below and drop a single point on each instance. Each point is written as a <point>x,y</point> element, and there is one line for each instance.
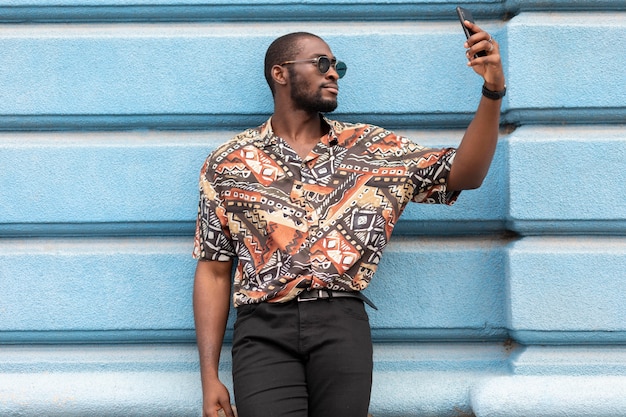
<point>318,294</point>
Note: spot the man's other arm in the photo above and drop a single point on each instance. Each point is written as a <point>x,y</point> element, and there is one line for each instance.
<point>211,302</point>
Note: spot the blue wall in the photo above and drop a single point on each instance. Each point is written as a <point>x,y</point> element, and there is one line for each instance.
<point>108,109</point>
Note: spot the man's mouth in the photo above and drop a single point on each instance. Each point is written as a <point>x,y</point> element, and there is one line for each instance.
<point>332,88</point>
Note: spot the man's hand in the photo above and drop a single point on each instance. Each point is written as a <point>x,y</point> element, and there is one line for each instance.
<point>489,66</point>
<point>216,401</point>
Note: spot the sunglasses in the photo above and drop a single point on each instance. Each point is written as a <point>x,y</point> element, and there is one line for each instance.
<point>324,64</point>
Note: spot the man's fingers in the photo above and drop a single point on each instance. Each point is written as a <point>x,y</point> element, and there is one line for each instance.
<point>228,411</point>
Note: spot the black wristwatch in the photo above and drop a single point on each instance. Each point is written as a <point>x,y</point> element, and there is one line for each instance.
<point>494,95</point>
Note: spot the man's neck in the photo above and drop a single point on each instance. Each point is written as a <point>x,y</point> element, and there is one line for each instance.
<point>301,130</point>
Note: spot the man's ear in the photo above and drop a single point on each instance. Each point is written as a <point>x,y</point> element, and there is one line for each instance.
<point>280,74</point>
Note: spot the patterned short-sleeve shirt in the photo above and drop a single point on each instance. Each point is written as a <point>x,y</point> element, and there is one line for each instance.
<point>321,222</point>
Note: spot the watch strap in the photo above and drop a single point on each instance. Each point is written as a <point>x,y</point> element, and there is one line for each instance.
<point>494,95</point>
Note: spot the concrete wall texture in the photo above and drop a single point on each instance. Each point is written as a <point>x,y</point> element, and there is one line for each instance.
<point>515,301</point>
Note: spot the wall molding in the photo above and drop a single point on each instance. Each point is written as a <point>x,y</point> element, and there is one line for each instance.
<point>250,11</point>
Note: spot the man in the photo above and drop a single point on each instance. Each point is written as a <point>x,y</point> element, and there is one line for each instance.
<point>307,204</point>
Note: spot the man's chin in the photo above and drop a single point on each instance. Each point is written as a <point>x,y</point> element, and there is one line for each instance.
<point>320,106</point>
<point>328,107</point>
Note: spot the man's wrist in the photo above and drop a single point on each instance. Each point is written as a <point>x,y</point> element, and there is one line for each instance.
<point>493,94</point>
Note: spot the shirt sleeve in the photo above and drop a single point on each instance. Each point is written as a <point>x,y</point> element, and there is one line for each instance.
<point>431,177</point>
<point>212,239</point>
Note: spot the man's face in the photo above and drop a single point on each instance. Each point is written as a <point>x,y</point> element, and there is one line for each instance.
<point>311,90</point>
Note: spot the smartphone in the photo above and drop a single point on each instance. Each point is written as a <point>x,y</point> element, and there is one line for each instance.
<point>464,15</point>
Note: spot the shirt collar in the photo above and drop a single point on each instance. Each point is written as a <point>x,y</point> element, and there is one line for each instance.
<point>267,137</point>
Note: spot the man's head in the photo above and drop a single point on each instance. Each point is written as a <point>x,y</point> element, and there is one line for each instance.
<point>300,67</point>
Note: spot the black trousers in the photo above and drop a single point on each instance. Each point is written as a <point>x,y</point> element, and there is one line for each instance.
<point>302,359</point>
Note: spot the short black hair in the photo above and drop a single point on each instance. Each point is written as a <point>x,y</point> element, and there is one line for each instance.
<point>284,48</point>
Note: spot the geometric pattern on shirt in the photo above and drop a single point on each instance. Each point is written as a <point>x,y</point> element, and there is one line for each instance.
<point>321,222</point>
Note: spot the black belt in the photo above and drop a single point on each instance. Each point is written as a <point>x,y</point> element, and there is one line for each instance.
<point>311,295</point>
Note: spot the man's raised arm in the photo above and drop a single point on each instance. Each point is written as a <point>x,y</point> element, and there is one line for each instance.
<point>476,150</point>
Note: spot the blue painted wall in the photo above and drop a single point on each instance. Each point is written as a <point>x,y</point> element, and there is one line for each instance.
<point>108,109</point>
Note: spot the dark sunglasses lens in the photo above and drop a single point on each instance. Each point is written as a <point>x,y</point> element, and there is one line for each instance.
<point>341,68</point>
<point>323,64</point>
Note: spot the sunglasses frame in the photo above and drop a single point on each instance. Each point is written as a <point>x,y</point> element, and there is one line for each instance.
<point>316,61</point>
